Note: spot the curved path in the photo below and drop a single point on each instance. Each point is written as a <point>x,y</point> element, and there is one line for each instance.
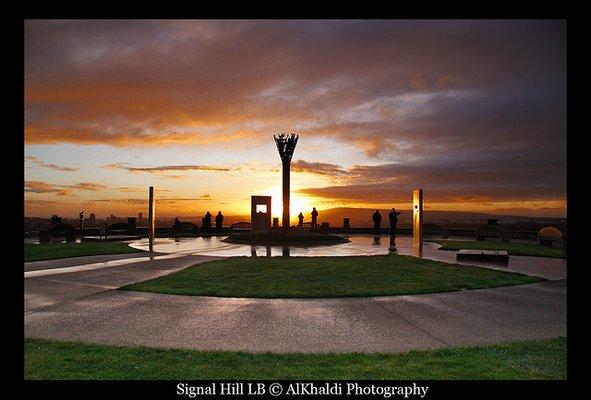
<point>81,305</point>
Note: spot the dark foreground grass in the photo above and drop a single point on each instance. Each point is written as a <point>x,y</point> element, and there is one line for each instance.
<point>51,251</point>
<point>46,359</point>
<point>290,277</point>
<point>515,249</point>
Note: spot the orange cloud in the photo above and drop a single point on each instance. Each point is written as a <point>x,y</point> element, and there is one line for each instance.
<point>40,187</point>
<point>44,187</point>
<point>35,161</point>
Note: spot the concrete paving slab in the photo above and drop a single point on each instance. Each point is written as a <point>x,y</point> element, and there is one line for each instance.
<point>47,290</point>
<point>73,261</point>
<point>82,305</point>
<point>308,325</point>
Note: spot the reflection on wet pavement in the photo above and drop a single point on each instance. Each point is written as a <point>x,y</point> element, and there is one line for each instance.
<point>359,245</point>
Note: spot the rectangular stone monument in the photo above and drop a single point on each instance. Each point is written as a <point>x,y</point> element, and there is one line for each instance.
<point>260,213</point>
<point>151,219</point>
<point>417,222</point>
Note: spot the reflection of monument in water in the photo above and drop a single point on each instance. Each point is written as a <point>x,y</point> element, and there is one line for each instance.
<point>417,222</point>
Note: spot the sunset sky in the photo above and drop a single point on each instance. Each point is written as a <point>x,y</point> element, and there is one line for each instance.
<point>474,112</point>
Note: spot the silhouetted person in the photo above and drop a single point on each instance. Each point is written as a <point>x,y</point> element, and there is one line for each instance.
<point>300,220</point>
<point>314,215</point>
<point>377,219</point>
<point>393,215</point>
<point>207,222</point>
<point>176,226</point>
<point>218,221</point>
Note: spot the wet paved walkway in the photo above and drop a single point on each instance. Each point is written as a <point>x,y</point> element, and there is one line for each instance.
<point>80,304</point>
<point>548,268</point>
<point>49,288</point>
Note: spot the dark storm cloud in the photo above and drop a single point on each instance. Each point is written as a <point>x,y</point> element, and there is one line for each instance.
<point>479,178</point>
<point>437,95</point>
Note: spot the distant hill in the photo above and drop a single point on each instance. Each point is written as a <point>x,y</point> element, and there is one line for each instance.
<point>361,217</point>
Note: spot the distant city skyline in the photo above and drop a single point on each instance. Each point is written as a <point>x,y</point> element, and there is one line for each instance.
<point>474,112</point>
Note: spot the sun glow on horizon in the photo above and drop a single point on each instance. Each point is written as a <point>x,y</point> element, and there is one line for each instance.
<point>297,203</point>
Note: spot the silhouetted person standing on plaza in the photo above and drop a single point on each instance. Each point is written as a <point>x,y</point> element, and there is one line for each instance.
<point>314,215</point>
<point>377,219</point>
<point>393,215</point>
<point>300,220</point>
<point>176,226</point>
<point>218,221</point>
<point>207,222</point>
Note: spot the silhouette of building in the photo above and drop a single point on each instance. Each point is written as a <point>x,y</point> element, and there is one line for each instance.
<point>140,217</point>
<point>92,218</point>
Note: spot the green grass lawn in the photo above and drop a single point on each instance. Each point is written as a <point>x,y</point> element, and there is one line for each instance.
<point>289,277</point>
<point>515,249</point>
<point>46,359</point>
<point>51,251</point>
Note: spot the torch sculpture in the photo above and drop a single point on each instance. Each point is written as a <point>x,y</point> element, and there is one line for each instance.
<point>286,145</point>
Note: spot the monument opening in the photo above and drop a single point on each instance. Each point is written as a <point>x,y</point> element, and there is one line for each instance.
<point>260,213</point>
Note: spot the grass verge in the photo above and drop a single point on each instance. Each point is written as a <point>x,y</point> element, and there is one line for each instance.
<point>51,251</point>
<point>44,359</point>
<point>309,277</point>
<point>515,249</point>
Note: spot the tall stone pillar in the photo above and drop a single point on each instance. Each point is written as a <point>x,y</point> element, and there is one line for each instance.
<point>417,222</point>
<point>286,145</point>
<point>286,166</point>
<point>151,218</point>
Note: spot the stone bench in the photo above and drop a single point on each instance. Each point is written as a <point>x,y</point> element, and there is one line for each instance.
<point>500,256</point>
